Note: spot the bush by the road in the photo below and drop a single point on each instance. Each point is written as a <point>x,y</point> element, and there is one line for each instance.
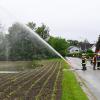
<point>59,44</point>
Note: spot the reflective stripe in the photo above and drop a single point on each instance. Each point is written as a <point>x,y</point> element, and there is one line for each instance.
<point>84,63</point>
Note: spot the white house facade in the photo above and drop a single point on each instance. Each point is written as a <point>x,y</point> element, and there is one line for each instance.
<point>73,49</point>
<point>93,48</point>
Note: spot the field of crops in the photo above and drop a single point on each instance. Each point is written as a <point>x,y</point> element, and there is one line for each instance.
<point>41,83</point>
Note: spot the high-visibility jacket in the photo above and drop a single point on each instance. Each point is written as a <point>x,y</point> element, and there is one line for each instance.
<point>84,60</point>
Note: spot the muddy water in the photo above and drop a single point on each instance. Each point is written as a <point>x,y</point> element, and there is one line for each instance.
<point>14,66</point>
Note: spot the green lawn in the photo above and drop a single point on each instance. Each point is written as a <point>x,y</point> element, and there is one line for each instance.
<point>71,89</point>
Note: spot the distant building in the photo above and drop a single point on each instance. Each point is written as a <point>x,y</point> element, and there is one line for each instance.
<point>93,48</point>
<point>73,49</point>
<point>85,46</point>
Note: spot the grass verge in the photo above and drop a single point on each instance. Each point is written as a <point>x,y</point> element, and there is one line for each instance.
<point>71,89</point>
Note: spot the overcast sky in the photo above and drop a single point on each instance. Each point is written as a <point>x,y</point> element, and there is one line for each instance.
<point>71,19</point>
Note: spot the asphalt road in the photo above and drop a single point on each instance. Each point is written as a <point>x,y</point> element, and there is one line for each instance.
<point>91,78</point>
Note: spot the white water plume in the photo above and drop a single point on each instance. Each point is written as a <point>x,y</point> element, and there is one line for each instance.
<point>37,37</point>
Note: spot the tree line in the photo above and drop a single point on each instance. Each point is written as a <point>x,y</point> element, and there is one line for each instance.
<point>21,44</point>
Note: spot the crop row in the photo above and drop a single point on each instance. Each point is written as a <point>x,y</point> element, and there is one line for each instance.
<point>43,83</point>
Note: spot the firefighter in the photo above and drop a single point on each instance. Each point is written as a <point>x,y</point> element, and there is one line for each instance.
<point>94,61</point>
<point>98,61</point>
<point>84,62</point>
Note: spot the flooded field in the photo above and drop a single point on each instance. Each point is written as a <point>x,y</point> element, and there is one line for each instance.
<point>13,66</point>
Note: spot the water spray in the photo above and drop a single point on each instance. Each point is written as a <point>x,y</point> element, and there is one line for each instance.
<point>42,41</point>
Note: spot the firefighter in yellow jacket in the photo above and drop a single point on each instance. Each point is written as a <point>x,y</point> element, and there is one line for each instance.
<point>84,61</point>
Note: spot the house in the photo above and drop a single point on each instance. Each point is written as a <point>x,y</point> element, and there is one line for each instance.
<point>93,48</point>
<point>85,46</point>
<point>73,49</point>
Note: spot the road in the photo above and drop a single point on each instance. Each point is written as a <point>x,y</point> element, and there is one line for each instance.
<point>91,78</point>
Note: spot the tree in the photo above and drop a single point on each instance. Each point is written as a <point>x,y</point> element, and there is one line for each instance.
<point>31,25</point>
<point>89,51</point>
<point>73,42</point>
<point>43,31</point>
<point>3,43</point>
<point>25,45</point>
<point>59,44</point>
<point>21,46</point>
<point>98,44</point>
